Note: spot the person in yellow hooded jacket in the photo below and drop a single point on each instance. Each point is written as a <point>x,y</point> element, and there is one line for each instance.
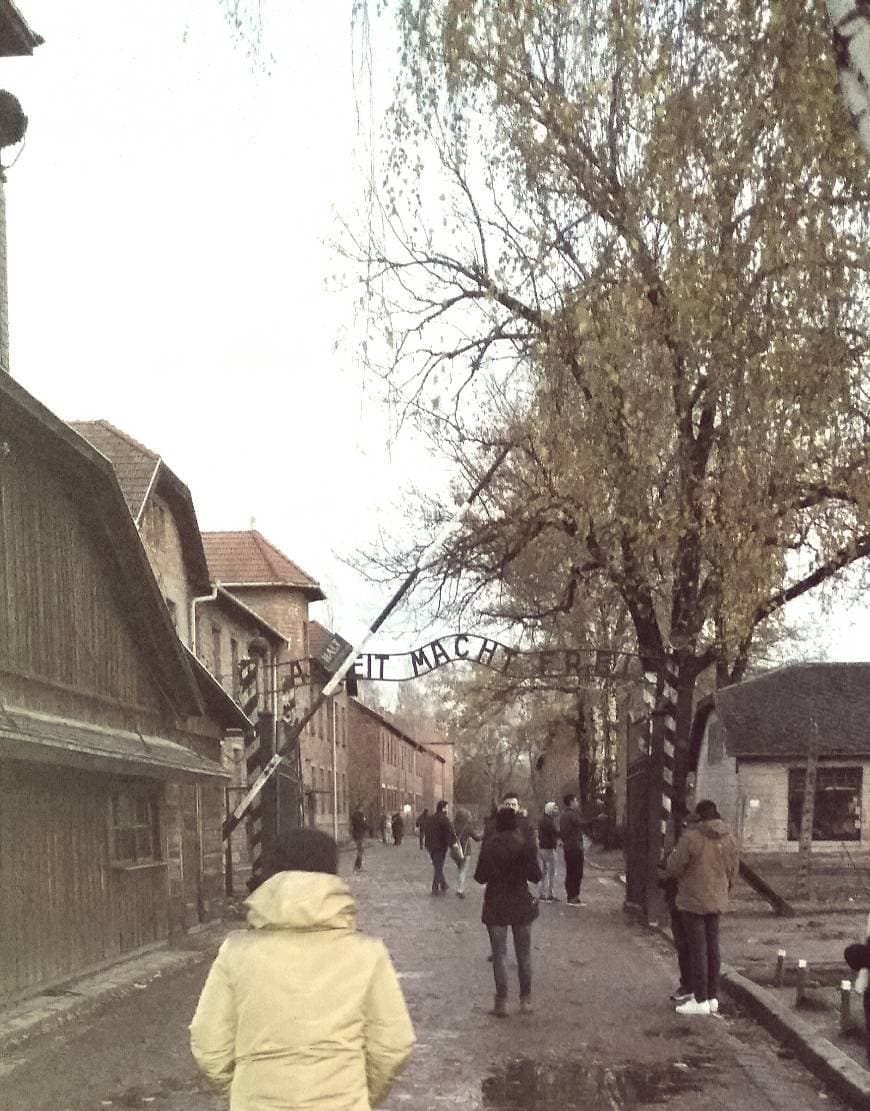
<point>301,1010</point>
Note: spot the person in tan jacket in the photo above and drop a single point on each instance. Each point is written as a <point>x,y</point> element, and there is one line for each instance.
<point>704,864</point>
<point>301,1010</point>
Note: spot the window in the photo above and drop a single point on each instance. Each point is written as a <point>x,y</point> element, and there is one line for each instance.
<point>715,742</point>
<point>837,814</point>
<point>173,611</point>
<point>135,827</point>
<point>216,651</point>
<point>234,664</point>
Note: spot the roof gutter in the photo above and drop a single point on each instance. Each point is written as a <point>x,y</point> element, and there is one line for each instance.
<point>151,484</point>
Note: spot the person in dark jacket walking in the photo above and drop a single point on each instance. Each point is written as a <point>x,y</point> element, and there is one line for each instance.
<point>397,823</point>
<point>508,862</point>
<point>421,826</point>
<point>571,832</point>
<point>548,837</point>
<point>440,835</point>
<point>358,828</point>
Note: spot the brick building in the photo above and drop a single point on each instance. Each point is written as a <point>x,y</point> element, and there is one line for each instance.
<point>387,769</point>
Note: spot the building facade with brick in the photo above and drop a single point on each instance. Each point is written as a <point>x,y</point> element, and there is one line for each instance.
<point>389,770</point>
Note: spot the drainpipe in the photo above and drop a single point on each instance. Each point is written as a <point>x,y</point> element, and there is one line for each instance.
<point>193,604</point>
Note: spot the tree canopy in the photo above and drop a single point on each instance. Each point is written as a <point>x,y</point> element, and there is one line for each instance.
<point>631,239</point>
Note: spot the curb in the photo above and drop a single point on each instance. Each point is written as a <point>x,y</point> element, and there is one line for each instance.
<point>40,1014</point>
<point>846,1077</point>
<point>837,1069</point>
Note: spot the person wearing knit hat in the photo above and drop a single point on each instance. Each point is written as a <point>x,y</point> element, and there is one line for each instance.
<point>301,1009</point>
<point>508,862</point>
<point>548,838</point>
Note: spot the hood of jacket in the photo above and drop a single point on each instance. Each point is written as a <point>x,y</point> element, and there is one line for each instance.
<point>302,901</point>
<point>713,828</point>
<point>505,847</point>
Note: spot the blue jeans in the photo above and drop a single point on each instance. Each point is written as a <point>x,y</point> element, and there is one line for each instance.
<point>463,873</point>
<point>702,938</point>
<point>548,873</point>
<point>439,883</point>
<point>523,950</point>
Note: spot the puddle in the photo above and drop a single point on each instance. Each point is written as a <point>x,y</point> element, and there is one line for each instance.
<point>526,1085</point>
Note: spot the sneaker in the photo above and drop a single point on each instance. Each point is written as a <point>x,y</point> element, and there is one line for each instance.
<point>714,1006</point>
<point>680,995</point>
<point>575,903</point>
<point>693,1007</point>
<point>460,894</point>
<point>526,1006</point>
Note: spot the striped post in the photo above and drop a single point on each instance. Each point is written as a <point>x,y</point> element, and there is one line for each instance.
<point>660,698</point>
<point>249,696</point>
<point>850,24</point>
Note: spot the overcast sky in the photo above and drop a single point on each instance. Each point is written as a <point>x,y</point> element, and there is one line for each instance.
<point>168,270</point>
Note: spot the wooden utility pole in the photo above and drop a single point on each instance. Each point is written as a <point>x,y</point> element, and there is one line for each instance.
<point>808,812</point>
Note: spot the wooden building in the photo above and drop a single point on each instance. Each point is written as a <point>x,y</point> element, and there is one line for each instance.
<point>111,787</point>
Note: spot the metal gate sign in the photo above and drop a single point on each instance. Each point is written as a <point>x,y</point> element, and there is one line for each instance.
<point>396,667</point>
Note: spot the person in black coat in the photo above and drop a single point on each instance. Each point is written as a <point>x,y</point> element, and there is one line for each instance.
<point>440,835</point>
<point>571,833</point>
<point>421,826</point>
<point>397,824</point>
<point>508,862</point>
<point>358,828</point>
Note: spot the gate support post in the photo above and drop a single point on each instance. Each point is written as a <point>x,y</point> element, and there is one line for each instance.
<point>269,794</point>
<point>657,818</point>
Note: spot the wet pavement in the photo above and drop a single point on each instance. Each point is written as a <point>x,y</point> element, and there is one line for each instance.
<point>603,1034</point>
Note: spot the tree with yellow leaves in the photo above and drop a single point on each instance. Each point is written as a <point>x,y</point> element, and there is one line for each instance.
<point>631,238</point>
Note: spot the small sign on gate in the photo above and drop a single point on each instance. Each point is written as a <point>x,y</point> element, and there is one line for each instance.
<point>335,653</point>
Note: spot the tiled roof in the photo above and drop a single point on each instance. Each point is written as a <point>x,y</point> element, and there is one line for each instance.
<point>94,487</point>
<point>778,713</point>
<point>133,462</point>
<point>247,558</point>
<point>140,470</point>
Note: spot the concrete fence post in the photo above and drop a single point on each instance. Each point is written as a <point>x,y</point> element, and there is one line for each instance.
<point>801,983</point>
<point>845,1006</point>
